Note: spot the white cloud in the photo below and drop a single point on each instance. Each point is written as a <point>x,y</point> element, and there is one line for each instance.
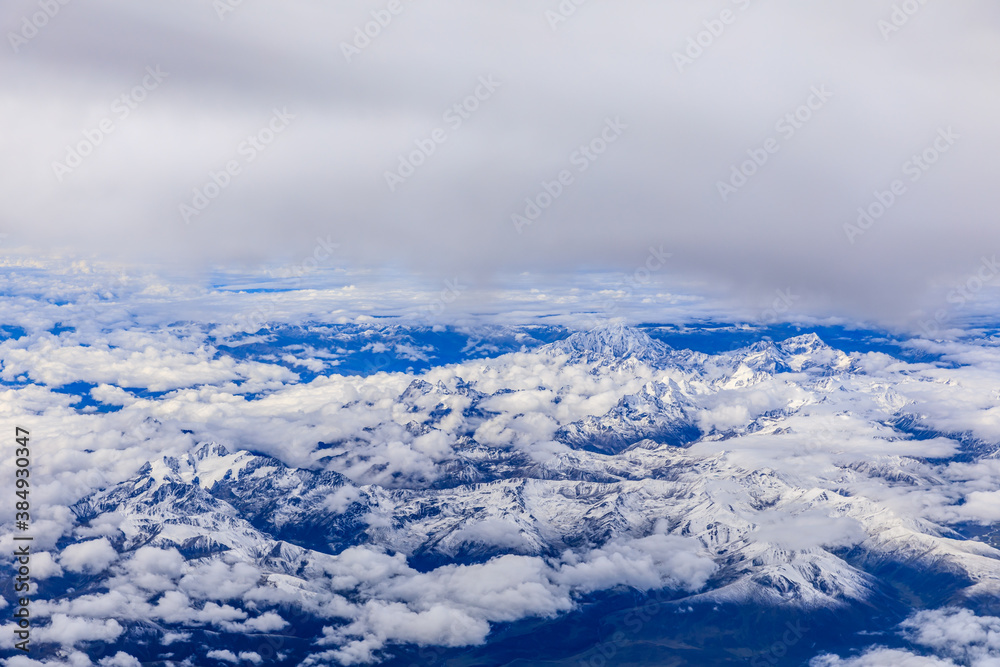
<point>454,605</point>
<point>130,359</point>
<point>808,530</point>
<point>89,557</point>
<point>955,636</point>
<point>439,625</point>
<point>266,622</point>
<point>216,580</point>
<point>72,659</point>
<point>981,507</point>
<point>176,607</point>
<point>881,657</point>
<point>224,654</point>
<point>44,565</point>
<point>958,634</point>
<point>120,659</point>
<point>492,531</point>
<point>72,630</point>
<point>653,562</point>
<point>341,499</point>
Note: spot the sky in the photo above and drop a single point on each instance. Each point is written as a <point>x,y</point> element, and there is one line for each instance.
<point>843,153</point>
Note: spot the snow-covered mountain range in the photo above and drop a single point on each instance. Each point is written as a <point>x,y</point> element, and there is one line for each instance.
<point>455,515</point>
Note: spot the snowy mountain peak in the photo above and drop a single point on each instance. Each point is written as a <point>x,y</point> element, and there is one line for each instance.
<point>659,412</point>
<point>205,465</point>
<point>763,359</point>
<point>209,450</point>
<point>803,344</point>
<point>614,341</point>
<point>660,394</point>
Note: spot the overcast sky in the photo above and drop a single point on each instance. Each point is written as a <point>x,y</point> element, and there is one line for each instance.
<point>628,78</point>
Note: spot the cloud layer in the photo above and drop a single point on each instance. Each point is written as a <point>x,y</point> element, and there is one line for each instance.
<point>608,129</point>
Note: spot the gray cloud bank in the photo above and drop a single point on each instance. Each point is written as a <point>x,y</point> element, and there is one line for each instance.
<point>846,151</point>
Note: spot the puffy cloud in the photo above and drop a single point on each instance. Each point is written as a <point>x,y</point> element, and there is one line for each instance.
<point>493,531</point>
<point>72,659</point>
<point>436,445</point>
<point>364,565</point>
<point>223,654</point>
<point>113,604</point>
<point>120,659</point>
<point>153,569</point>
<point>217,580</point>
<point>520,430</point>
<point>453,605</point>
<point>72,630</point>
<point>88,557</point>
<point>44,565</point>
<point>130,359</point>
<point>808,530</point>
<point>341,499</point>
<point>958,634</point>
<point>981,507</point>
<point>176,607</point>
<point>955,636</point>
<point>881,657</point>
<point>506,588</point>
<point>269,621</point>
<point>653,562</point>
<point>438,624</point>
